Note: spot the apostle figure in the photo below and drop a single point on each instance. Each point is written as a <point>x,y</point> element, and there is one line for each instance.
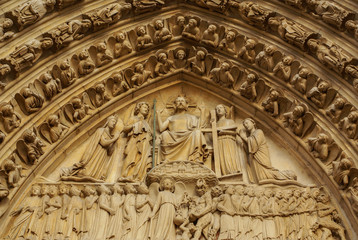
<point>96,161</point>
<point>229,155</point>
<point>259,164</point>
<point>138,150</point>
<point>180,137</point>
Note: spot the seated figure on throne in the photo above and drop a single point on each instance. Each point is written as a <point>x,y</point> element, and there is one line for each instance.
<point>181,139</point>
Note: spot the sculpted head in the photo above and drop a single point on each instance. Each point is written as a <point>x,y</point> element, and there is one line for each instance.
<point>230,36</point>
<point>29,136</point>
<point>181,103</point>
<point>53,120</point>
<point>211,28</point>
<point>180,54</point>
<point>142,108</point>
<point>249,124</point>
<point>167,183</point>
<point>193,23</point>
<point>201,187</point>
<point>142,189</point>
<point>36,190</point>
<point>180,20</point>
<point>111,122</point>
<point>159,24</point>
<point>220,110</point>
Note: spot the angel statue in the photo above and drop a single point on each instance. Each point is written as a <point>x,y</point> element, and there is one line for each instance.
<point>258,162</point>
<point>180,137</point>
<point>96,161</point>
<point>138,150</point>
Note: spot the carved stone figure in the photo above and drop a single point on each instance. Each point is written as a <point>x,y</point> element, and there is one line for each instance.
<point>191,30</point>
<point>5,69</point>
<point>259,164</point>
<point>89,211</point>
<point>51,86</point>
<point>143,39</point>
<point>13,171</point>
<point>122,46</point>
<point>335,110</point>
<point>352,27</point>
<point>61,4</point>
<point>103,55</point>
<point>341,171</point>
<point>247,52</point>
<point>264,59</point>
<point>163,65</point>
<point>138,157</point>
<point>118,85</point>
<point>30,148</point>
<point>161,33</point>
<point>98,95</point>
<point>32,11</point>
<point>68,32</point>
<point>144,207</point>
<point>67,74</point>
<point>51,209</point>
<point>9,117</point>
<point>222,75</point>
<point>254,14</point>
<point>80,109</point>
<point>103,214</point>
<point>140,75</point>
<point>320,146</point>
<point>29,53</point>
<point>353,195</point>
<point>330,13</point>
<point>352,72</point>
<point>162,216</point>
<point>228,43</point>
<point>85,65</point>
<point>199,63</point>
<point>299,81</point>
<point>226,207</point>
<point>297,120</point>
<point>272,103</point>
<point>75,212</point>
<point>349,124</point>
<point>180,60</point>
<point>52,129</point>
<point>115,227</point>
<point>330,55</point>
<point>4,191</point>
<point>5,25</point>
<point>142,6</point>
<point>229,155</point>
<point>97,159</point>
<point>322,94</point>
<point>248,88</point>
<point>29,101</point>
<point>282,70</point>
<point>210,36</point>
<point>294,33</point>
<point>64,223</point>
<point>180,137</point>
<point>130,213</point>
<point>110,14</point>
<point>179,25</point>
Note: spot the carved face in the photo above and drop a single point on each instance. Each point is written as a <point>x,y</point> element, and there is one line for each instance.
<point>141,31</point>
<point>162,57</point>
<point>144,109</point>
<point>63,189</point>
<point>287,60</point>
<point>46,43</point>
<point>230,36</point>
<point>143,189</point>
<point>298,111</point>
<point>120,37</point>
<point>225,66</point>
<point>36,191</point>
<point>250,44</point>
<point>339,103</point>
<point>353,116</point>
<point>111,123</point>
<point>5,69</point>
<point>220,110</point>
<point>248,124</point>
<point>7,23</point>
<point>117,78</point>
<point>211,28</point>
<point>192,23</point>
<point>181,103</point>
<point>159,24</point>
<point>180,54</point>
<point>139,68</point>
<point>181,21</point>
<point>230,190</point>
<point>167,184</point>
<point>322,87</point>
<point>102,47</point>
<point>200,55</point>
<point>303,72</point>
<point>7,110</point>
<point>251,78</point>
<point>269,50</point>
<point>279,194</point>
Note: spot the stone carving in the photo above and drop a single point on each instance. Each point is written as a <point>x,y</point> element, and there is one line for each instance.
<point>29,148</point>
<point>116,221</point>
<point>351,71</point>
<point>323,148</point>
<point>137,74</point>
<point>191,30</point>
<point>352,27</point>
<point>29,53</point>
<point>202,62</point>
<point>97,159</point>
<point>331,13</point>
<point>180,136</point>
<point>228,149</point>
<point>108,15</point>
<point>77,109</point>
<point>52,130</point>
<point>29,100</point>
<point>163,64</point>
<point>299,80</point>
<point>339,107</point>
<point>265,58</point>
<point>342,171</point>
<point>329,54</point>
<point>253,88</point>
<point>30,12</point>
<point>2,137</point>
<point>275,103</point>
<point>142,39</point>
<point>5,25</point>
<point>48,85</point>
<point>247,51</point>
<point>138,156</point>
<point>5,69</point>
<point>103,55</point>
<point>129,212</point>
<point>292,32</point>
<point>180,58</point>
<point>161,33</point>
<point>13,171</point>
<point>122,46</point>
<point>90,210</point>
<point>51,210</point>
<point>10,119</point>
<point>299,120</point>
<point>322,94</point>
<point>254,14</point>
<point>259,164</point>
<point>283,70</point>
<point>352,193</point>
<point>228,43</point>
<point>210,36</point>
<point>65,73</point>
<point>225,74</point>
<point>179,25</point>
<point>66,3</point>
<point>144,207</point>
<point>85,64</point>
<point>117,84</point>
<point>68,32</point>
<point>142,6</point>
<point>349,124</point>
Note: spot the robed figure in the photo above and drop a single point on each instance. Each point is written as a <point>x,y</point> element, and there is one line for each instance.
<point>181,140</point>
<point>98,158</point>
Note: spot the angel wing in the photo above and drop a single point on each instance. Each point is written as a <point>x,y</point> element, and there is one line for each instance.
<point>277,57</point>
<point>283,104</point>
<point>40,87</point>
<point>21,103</point>
<point>261,89</point>
<point>92,96</point>
<point>87,101</point>
<point>132,37</point>
<point>68,112</point>
<point>153,192</point>
<point>312,79</point>
<point>22,149</point>
<point>180,189</point>
<point>93,53</point>
<point>209,63</point>
<point>308,124</point>
<point>353,173</point>
<point>128,74</point>
<point>151,31</point>
<point>150,65</point>
<point>334,153</point>
<point>236,73</point>
<point>331,94</point>
<point>44,130</point>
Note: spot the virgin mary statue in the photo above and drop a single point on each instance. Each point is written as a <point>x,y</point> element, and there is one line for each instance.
<point>96,162</point>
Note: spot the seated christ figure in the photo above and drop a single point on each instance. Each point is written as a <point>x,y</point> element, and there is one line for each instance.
<point>181,139</point>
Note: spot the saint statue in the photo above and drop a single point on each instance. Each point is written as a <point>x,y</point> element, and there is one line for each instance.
<point>98,157</point>
<point>138,150</point>
<point>181,140</point>
<point>258,163</point>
